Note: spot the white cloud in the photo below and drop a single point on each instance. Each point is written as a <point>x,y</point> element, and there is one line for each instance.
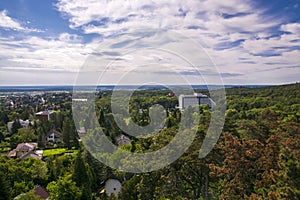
<point>64,53</point>
<point>238,36</point>
<point>9,23</point>
<point>292,28</point>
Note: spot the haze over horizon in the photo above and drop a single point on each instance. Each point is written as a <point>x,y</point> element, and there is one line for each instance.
<point>47,42</point>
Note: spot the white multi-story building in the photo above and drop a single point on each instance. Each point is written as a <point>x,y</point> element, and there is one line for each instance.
<point>195,99</point>
<point>23,123</point>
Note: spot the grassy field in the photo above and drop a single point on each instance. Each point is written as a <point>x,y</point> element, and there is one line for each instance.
<point>58,151</point>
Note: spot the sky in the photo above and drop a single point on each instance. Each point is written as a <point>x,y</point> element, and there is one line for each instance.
<point>51,42</point>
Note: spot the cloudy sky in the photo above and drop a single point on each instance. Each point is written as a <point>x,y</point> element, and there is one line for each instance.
<point>48,42</point>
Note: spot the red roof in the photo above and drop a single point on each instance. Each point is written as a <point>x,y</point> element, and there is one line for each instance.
<point>53,131</point>
<point>38,190</point>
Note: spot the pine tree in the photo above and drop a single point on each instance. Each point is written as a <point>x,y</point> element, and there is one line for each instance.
<point>4,189</point>
<point>74,136</point>
<point>101,118</point>
<point>66,132</point>
<point>15,126</point>
<point>4,117</point>
<point>81,177</point>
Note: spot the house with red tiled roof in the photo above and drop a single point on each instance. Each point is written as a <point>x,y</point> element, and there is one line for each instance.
<point>38,191</point>
<point>44,115</point>
<point>41,192</point>
<point>22,149</point>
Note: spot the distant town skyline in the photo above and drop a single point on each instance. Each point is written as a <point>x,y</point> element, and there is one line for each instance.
<point>250,42</point>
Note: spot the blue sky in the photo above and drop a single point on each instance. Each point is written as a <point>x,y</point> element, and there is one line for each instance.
<point>47,42</point>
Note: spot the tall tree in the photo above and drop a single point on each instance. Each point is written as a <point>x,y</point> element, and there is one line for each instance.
<point>64,189</point>
<point>67,133</point>
<point>81,177</point>
<point>4,117</point>
<point>15,126</point>
<point>4,188</point>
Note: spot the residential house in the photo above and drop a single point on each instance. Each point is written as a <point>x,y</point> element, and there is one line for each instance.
<point>37,154</point>
<point>41,192</point>
<point>22,149</point>
<point>81,132</point>
<point>54,136</point>
<point>44,115</point>
<point>122,140</point>
<point>24,124</point>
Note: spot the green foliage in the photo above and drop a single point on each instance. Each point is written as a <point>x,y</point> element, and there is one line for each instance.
<point>4,187</point>
<point>257,156</point>
<point>82,177</point>
<point>69,133</point>
<point>21,187</point>
<point>64,189</point>
<point>53,152</point>
<point>29,196</point>
<point>21,176</point>
<point>15,126</point>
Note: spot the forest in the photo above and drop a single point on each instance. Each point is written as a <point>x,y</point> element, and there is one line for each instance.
<point>256,157</point>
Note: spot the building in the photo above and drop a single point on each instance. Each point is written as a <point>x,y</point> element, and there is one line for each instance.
<point>38,191</point>
<point>44,115</point>
<point>24,124</point>
<point>41,192</point>
<point>195,99</point>
<point>37,154</point>
<point>22,149</point>
<point>81,132</point>
<point>122,140</point>
<point>53,136</point>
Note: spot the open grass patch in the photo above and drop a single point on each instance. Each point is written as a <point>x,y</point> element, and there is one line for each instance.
<point>52,152</point>
<point>4,149</point>
<point>58,151</point>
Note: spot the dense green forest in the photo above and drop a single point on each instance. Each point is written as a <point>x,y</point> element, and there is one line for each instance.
<point>256,157</point>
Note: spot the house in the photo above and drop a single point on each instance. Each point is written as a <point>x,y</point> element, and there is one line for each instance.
<point>81,132</point>
<point>9,103</point>
<point>24,124</point>
<point>53,136</point>
<point>22,149</point>
<point>195,99</point>
<point>44,115</point>
<point>32,154</point>
<point>41,192</point>
<point>38,191</point>
<point>122,140</point>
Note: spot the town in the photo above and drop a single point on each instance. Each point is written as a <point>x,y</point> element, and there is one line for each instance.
<point>43,157</point>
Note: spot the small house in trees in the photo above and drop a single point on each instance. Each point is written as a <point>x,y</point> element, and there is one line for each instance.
<point>81,131</point>
<point>38,191</point>
<point>44,115</point>
<point>53,136</point>
<point>23,123</point>
<point>41,192</point>
<point>122,140</point>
